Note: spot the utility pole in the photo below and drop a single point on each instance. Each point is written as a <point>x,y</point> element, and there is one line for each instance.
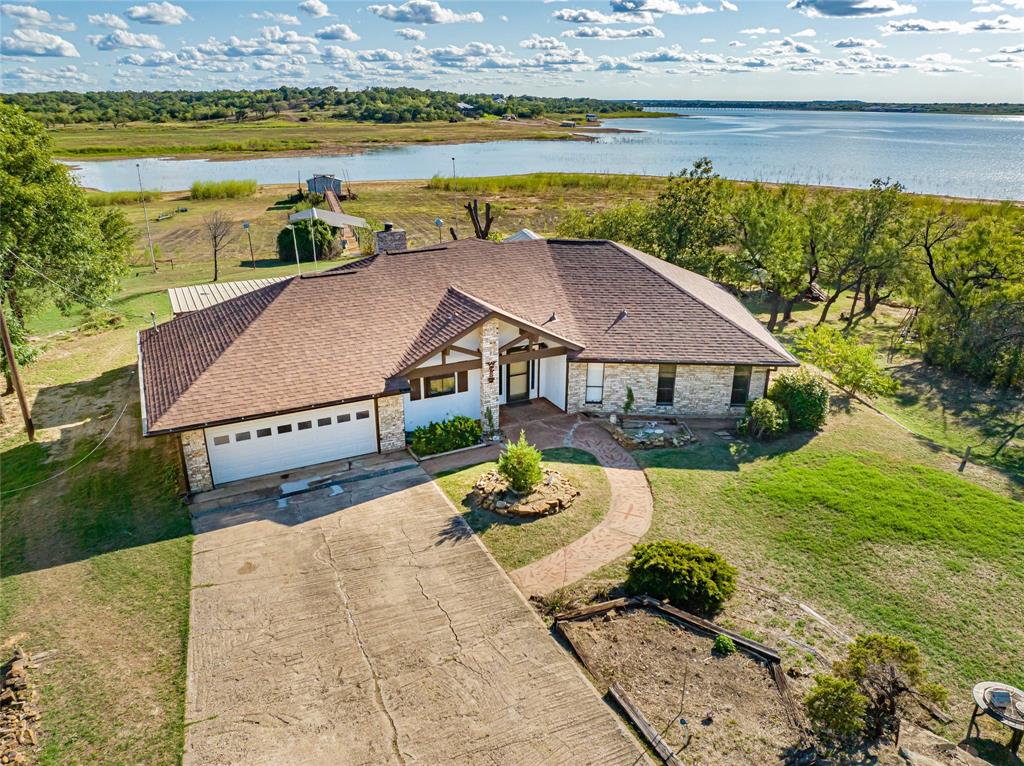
<point>295,242</point>
<point>12,365</point>
<point>145,214</point>
<point>455,178</point>
<point>252,255</point>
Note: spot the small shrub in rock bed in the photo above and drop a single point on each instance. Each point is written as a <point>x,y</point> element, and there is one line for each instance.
<point>724,645</point>
<point>835,707</point>
<point>454,433</point>
<point>520,464</point>
<point>690,576</point>
<point>804,396</point>
<point>764,419</point>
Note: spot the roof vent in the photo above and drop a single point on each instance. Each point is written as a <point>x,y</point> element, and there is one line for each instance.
<point>622,315</point>
<point>388,226</point>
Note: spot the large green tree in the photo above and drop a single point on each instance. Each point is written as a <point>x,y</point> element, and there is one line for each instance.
<point>54,247</point>
<point>691,222</point>
<point>770,232</point>
<point>973,301</point>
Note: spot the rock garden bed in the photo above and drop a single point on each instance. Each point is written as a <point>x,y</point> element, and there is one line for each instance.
<point>637,434</point>
<point>553,494</point>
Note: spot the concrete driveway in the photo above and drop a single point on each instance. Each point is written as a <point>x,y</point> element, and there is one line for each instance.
<point>362,623</point>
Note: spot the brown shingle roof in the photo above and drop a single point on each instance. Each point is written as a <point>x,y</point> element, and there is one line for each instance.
<point>345,334</point>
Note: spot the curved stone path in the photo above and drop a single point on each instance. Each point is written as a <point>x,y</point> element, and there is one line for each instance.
<point>628,518</point>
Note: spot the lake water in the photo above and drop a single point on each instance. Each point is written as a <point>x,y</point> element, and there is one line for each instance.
<point>960,155</point>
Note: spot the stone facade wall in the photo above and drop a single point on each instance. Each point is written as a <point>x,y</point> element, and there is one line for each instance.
<point>197,461</point>
<point>391,417</point>
<point>490,332</point>
<point>757,380</point>
<point>700,390</point>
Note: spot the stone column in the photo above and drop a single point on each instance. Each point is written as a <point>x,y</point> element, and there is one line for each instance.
<point>391,414</point>
<point>490,332</point>
<point>197,461</point>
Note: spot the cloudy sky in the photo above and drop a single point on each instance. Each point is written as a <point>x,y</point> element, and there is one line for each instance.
<point>898,50</point>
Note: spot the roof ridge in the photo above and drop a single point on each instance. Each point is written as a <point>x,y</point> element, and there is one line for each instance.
<point>633,253</point>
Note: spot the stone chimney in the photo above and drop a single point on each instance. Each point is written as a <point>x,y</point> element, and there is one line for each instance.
<point>390,240</point>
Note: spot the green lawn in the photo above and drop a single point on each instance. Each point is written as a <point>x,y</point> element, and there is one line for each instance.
<point>96,562</point>
<point>948,408</point>
<point>516,542</point>
<point>870,528</point>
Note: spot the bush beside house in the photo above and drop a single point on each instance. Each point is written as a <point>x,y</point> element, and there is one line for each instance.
<point>796,400</point>
<point>455,433</point>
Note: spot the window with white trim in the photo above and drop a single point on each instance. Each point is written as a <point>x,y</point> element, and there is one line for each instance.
<point>595,383</point>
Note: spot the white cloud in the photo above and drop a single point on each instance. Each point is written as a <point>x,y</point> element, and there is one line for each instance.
<point>608,33</point>
<point>108,20</point>
<point>1006,60</point>
<point>737,44</point>
<point>411,34</point>
<point>539,43</point>
<point>924,26</point>
<point>706,40</point>
<point>613,64</point>
<point>158,13</point>
<point>588,16</point>
<point>856,42</point>
<point>1011,49</point>
<point>658,7</point>
<point>277,18</point>
<point>755,31</point>
<point>851,8</point>
<point>989,8</point>
<point>725,5</point>
<point>35,42</point>
<point>379,54</point>
<point>423,12</point>
<point>337,32</point>
<point>315,8</point>
<point>159,58</point>
<point>805,33</point>
<point>30,16</point>
<point>797,46</point>
<point>61,76</point>
<point>119,38</point>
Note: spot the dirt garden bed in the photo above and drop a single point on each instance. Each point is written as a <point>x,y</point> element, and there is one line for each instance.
<point>733,710</point>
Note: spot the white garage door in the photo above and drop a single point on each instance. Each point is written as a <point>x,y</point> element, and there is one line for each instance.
<point>284,442</point>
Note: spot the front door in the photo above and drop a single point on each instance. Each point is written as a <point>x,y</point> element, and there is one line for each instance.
<point>518,382</point>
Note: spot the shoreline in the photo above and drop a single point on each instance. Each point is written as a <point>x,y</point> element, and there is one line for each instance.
<point>342,150</point>
<point>384,182</point>
<point>530,130</point>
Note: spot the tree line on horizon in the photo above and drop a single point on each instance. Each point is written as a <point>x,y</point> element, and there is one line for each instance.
<point>375,104</point>
<point>958,269</point>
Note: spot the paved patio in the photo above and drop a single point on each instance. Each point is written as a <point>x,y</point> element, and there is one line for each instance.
<point>362,623</point>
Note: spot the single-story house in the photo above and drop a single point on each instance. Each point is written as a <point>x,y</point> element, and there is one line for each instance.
<point>347,361</point>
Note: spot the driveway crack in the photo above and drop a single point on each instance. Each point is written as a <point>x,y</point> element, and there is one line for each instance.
<point>378,694</point>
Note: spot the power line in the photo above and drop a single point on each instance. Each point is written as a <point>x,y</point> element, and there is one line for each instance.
<point>69,291</point>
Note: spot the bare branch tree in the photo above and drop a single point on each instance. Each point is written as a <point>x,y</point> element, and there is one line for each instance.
<point>219,228</point>
<point>482,230</point>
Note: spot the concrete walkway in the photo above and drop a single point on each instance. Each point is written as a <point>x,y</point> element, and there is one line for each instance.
<point>363,623</point>
<point>628,518</point>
